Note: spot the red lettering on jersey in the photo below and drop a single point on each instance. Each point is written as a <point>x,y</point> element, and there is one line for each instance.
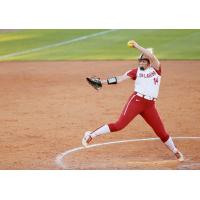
<point>155,80</point>
<point>149,75</point>
<point>140,75</point>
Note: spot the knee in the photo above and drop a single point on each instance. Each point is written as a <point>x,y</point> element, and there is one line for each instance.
<point>117,126</point>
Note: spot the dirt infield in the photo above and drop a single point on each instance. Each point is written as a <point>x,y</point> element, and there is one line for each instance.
<point>47,106</point>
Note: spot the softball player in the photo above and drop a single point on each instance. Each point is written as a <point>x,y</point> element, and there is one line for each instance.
<point>147,77</point>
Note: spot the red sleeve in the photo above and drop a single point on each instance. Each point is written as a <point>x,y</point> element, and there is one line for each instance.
<point>133,73</point>
<point>158,71</point>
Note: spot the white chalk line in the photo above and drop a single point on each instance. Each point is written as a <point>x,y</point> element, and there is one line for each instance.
<point>59,158</point>
<point>56,44</point>
<point>189,165</point>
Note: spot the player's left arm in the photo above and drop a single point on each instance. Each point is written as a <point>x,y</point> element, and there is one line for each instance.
<point>97,83</point>
<point>154,60</point>
<point>116,79</point>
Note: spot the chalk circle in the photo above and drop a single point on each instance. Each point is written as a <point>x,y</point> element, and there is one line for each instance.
<point>190,165</point>
<point>60,157</point>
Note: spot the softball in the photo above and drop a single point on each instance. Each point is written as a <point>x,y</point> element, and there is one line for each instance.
<point>130,44</point>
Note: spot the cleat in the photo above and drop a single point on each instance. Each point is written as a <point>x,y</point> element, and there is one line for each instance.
<point>179,156</point>
<point>87,138</point>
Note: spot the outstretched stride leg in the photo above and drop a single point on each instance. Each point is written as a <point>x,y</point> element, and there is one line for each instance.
<point>130,111</point>
<point>132,108</point>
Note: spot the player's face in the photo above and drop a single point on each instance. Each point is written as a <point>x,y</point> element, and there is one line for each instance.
<point>143,63</point>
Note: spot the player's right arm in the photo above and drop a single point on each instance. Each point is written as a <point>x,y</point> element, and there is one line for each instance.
<point>154,60</point>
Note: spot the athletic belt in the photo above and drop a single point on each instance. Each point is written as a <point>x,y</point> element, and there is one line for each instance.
<point>146,97</point>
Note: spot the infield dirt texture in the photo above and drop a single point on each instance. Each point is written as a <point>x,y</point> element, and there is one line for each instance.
<point>46,105</point>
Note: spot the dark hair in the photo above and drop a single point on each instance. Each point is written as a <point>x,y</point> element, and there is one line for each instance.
<point>140,59</point>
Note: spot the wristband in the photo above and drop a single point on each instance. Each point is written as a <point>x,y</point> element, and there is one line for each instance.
<point>112,80</point>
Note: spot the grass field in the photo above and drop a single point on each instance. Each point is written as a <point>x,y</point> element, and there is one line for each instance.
<point>29,45</point>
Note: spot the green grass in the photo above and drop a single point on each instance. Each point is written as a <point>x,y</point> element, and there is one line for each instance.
<point>168,44</point>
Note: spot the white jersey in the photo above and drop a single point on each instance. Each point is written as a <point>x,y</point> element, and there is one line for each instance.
<point>147,82</point>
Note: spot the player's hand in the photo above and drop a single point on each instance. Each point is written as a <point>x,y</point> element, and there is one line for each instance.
<point>132,44</point>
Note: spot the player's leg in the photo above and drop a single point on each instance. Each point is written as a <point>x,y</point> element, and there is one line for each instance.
<point>131,109</point>
<point>152,117</point>
<point>129,112</point>
<point>89,135</point>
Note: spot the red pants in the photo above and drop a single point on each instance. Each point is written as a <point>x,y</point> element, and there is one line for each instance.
<point>146,108</point>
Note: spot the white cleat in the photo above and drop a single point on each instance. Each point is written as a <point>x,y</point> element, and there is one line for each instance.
<point>87,138</point>
<point>179,156</point>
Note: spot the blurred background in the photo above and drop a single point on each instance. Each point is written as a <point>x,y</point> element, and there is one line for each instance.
<point>96,44</point>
